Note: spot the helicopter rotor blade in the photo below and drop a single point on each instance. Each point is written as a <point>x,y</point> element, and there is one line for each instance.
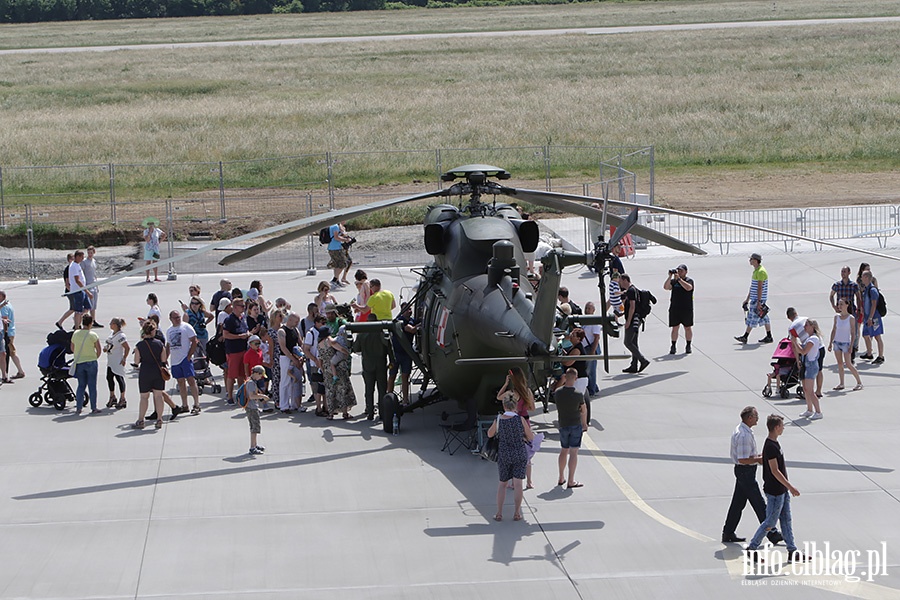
<point>623,228</point>
<point>571,204</point>
<point>221,244</point>
<point>310,224</point>
<point>672,211</point>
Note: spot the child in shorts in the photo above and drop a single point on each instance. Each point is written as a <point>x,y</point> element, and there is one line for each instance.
<point>253,392</point>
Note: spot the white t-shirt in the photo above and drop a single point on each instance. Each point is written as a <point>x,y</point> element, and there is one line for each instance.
<point>797,330</point>
<point>116,345</point>
<point>179,339</point>
<point>813,354</point>
<point>154,310</point>
<point>590,332</point>
<point>75,270</point>
<point>221,318</point>
<point>312,340</point>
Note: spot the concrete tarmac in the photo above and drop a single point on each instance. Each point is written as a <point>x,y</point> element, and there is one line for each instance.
<point>91,509</point>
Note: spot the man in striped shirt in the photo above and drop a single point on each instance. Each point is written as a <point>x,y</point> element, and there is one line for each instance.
<point>745,457</point>
<point>755,303</point>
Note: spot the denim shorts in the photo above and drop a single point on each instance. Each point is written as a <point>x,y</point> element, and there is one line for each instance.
<point>570,436</point>
<point>811,370</point>
<point>842,346</point>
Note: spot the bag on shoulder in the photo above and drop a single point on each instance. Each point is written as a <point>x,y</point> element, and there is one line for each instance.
<point>491,449</point>
<point>576,310</point>
<point>215,352</point>
<point>881,305</point>
<point>325,235</point>
<point>240,396</point>
<point>645,302</point>
<point>164,371</point>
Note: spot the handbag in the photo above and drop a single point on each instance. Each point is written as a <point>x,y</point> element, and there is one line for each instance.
<point>73,366</point>
<point>163,369</point>
<point>491,449</point>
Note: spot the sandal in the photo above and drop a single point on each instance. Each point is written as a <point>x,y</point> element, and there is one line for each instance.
<point>195,410</point>
<point>111,403</point>
<point>346,416</point>
<point>517,517</point>
<point>138,424</point>
<point>858,387</point>
<point>837,388</point>
<point>498,517</point>
<point>158,424</point>
<point>575,484</point>
<point>529,487</point>
<point>122,404</point>
<point>19,376</point>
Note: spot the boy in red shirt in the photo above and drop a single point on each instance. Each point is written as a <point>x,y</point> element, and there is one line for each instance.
<point>253,356</point>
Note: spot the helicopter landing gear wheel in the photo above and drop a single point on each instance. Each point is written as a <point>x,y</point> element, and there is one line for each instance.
<point>388,406</point>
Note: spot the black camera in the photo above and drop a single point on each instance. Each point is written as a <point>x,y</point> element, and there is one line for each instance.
<point>672,271</point>
<point>347,245</point>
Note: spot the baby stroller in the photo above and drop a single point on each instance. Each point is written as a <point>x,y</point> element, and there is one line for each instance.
<point>202,375</point>
<point>785,366</point>
<point>54,389</point>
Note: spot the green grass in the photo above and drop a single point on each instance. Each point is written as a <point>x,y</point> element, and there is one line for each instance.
<point>724,98</point>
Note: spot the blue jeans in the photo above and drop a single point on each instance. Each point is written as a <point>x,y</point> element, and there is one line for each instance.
<point>778,508</point>
<point>86,374</point>
<point>592,388</point>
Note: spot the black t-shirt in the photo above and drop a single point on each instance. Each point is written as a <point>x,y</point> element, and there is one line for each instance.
<point>217,297</point>
<point>629,299</point>
<point>236,326</point>
<point>568,406</point>
<point>682,299</point>
<point>772,486</point>
<point>580,366</point>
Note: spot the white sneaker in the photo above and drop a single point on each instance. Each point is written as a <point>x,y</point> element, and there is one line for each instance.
<point>815,417</point>
<point>807,413</point>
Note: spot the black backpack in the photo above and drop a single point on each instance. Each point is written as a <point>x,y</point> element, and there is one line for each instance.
<point>645,302</point>
<point>881,304</point>
<point>325,235</point>
<point>576,310</point>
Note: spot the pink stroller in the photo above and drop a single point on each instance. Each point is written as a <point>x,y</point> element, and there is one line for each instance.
<point>785,370</point>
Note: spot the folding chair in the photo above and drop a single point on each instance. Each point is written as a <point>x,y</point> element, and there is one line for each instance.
<point>455,438</point>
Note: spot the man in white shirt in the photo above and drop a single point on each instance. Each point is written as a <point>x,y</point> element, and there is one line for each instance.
<point>745,457</point>
<point>81,299</point>
<point>181,342</point>
<point>797,330</point>
<point>592,335</point>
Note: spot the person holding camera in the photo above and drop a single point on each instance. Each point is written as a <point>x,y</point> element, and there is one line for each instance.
<point>681,305</point>
<point>338,253</point>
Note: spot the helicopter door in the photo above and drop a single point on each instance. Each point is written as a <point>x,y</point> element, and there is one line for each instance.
<point>442,337</point>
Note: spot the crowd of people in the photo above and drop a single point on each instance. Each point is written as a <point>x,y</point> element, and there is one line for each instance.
<point>272,357</point>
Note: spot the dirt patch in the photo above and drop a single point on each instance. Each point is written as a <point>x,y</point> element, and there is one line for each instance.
<point>756,189</point>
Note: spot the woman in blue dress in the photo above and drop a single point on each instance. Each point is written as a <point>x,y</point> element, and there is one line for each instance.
<point>512,432</point>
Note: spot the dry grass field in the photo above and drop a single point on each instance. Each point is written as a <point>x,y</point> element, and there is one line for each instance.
<point>591,14</point>
<point>796,101</point>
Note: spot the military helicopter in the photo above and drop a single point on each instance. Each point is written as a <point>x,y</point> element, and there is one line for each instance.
<point>479,316</point>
